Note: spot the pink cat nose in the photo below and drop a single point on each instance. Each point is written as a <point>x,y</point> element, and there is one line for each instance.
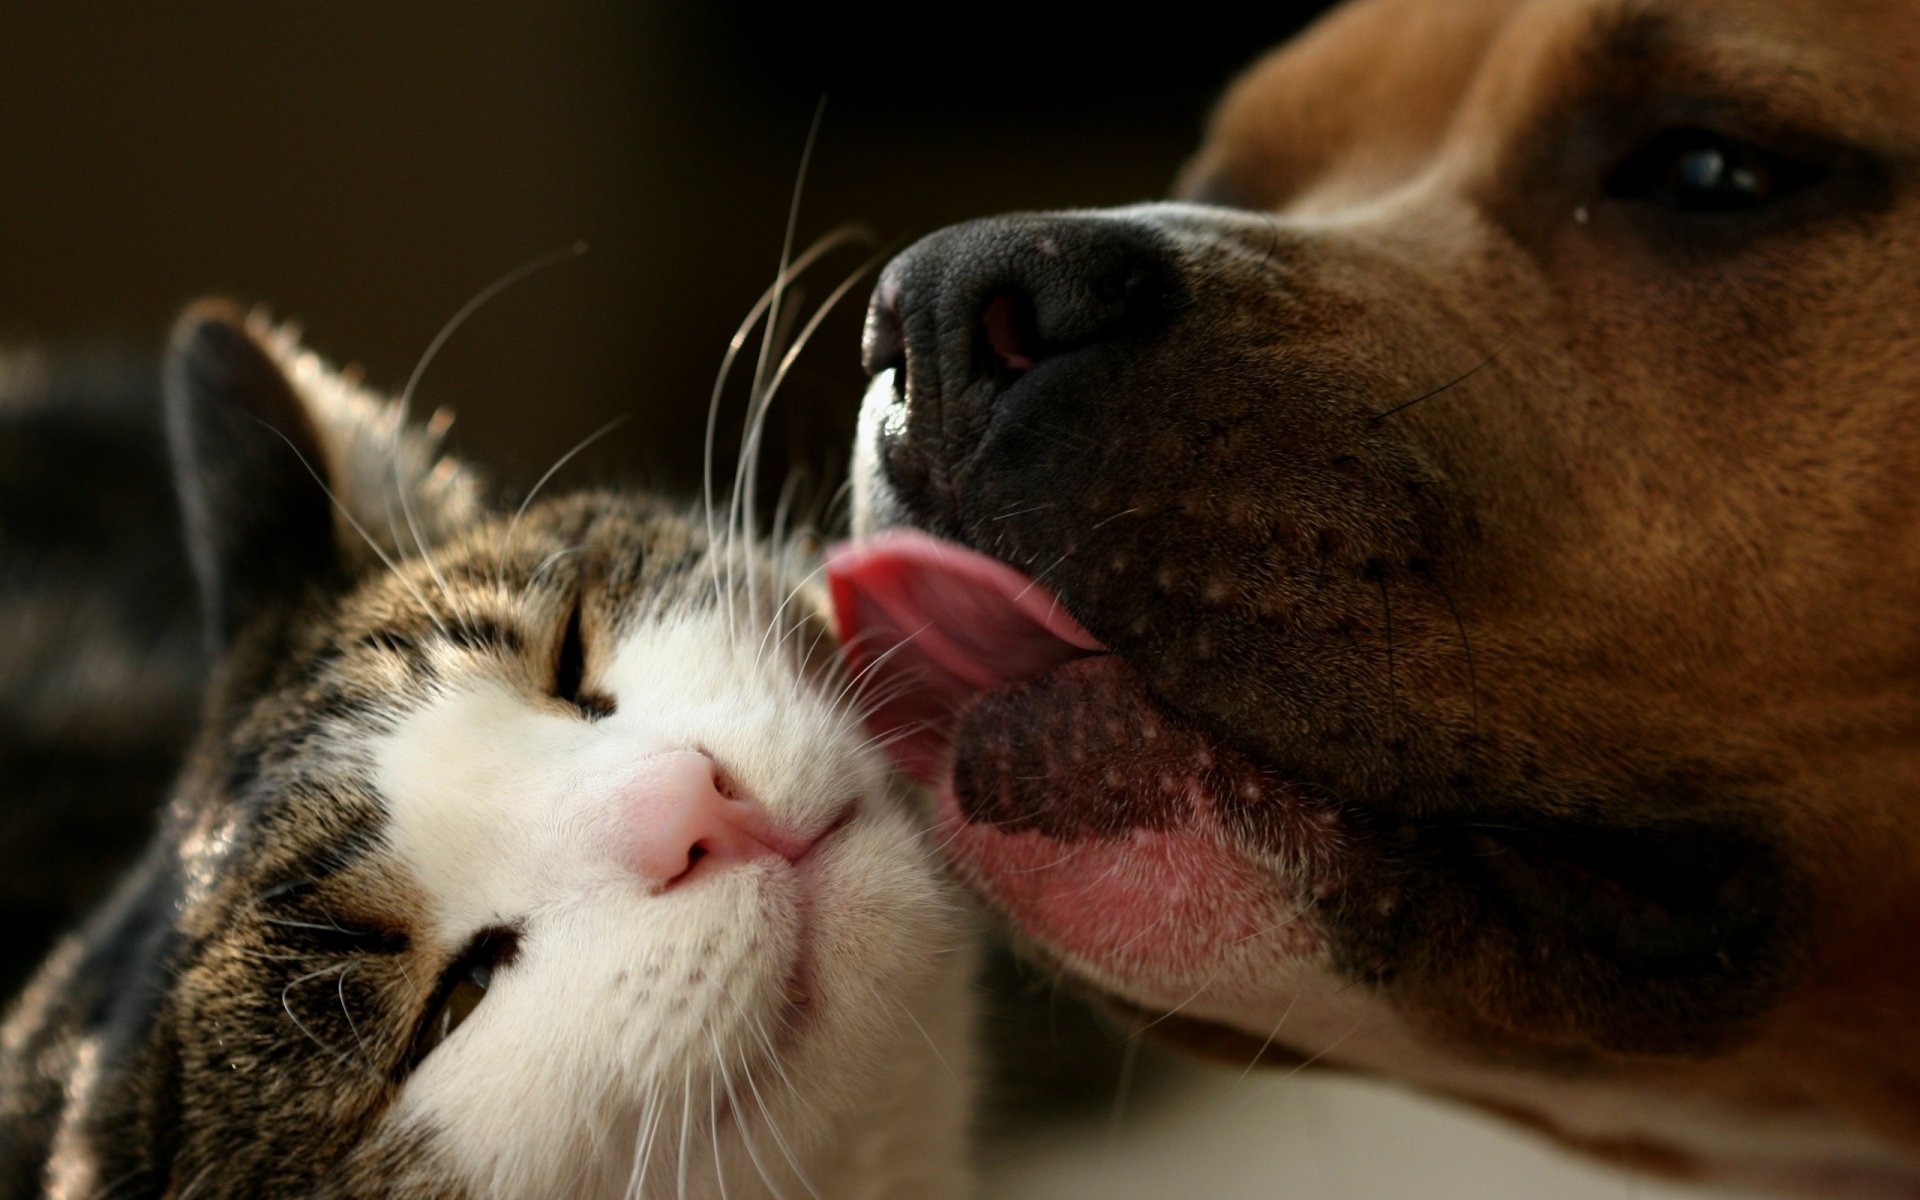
<point>688,815</point>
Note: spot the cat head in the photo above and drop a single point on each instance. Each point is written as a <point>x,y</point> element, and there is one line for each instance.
<point>529,853</point>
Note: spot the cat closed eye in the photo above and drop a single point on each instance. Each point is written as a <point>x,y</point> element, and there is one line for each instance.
<point>461,989</point>
<point>570,670</point>
<point>457,1007</point>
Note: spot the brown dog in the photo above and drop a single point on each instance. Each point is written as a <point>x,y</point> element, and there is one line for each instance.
<point>1497,485</point>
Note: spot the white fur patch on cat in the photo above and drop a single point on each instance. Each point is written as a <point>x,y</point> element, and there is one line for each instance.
<point>770,1028</point>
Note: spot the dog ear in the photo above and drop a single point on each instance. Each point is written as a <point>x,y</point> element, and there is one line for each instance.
<point>248,463</point>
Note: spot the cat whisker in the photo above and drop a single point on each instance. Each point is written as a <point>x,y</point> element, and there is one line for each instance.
<point>753,438</point>
<point>821,633</point>
<point>637,1165</point>
<point>749,466</point>
<point>877,698</point>
<point>891,738</point>
<point>426,556</point>
<point>840,506</point>
<point>506,543</point>
<point>1074,850</point>
<point>263,956</point>
<point>115,1187</point>
<point>644,1141</point>
<point>1273,1081</point>
<point>686,1130</point>
<point>533,579</point>
<point>713,1129</point>
<point>1271,1035</point>
<point>197,1182</point>
<point>779,1068</point>
<point>781,540</point>
<point>340,989</point>
<point>938,1054</point>
<point>354,523</point>
<point>532,266</point>
<point>827,243</point>
<point>766,1113</point>
<point>772,328</point>
<point>287,1006</point>
<point>1176,1009</point>
<point>330,927</point>
<point>853,691</point>
<point>740,1116</point>
<point>939,848</point>
<point>402,482</point>
<point>1040,576</point>
<point>281,889</point>
<point>773,622</point>
<point>852,725</point>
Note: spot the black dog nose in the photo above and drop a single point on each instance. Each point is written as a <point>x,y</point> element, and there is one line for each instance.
<point>1010,311</point>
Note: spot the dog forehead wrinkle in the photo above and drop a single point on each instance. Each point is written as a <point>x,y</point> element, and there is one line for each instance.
<point>1468,68</point>
<point>1688,63</point>
<point>1656,39</point>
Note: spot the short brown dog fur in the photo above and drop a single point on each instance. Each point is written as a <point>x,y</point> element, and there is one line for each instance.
<point>1517,446</point>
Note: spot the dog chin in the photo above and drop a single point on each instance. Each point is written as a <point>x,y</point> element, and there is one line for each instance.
<point>1163,918</point>
<point>1136,849</point>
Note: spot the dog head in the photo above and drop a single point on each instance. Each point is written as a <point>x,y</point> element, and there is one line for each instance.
<point>1440,597</point>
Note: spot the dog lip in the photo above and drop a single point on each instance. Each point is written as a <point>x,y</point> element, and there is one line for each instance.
<point>1112,827</point>
<point>928,625</point>
<point>1168,910</point>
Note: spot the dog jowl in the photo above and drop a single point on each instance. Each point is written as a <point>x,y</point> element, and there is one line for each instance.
<point>1442,597</point>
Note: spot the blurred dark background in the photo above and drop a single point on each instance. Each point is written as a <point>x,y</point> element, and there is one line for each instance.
<point>365,168</point>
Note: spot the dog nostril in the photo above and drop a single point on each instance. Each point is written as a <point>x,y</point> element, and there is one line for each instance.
<point>1011,331</point>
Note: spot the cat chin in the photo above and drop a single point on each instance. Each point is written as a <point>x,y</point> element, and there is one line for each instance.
<point>862,1092</point>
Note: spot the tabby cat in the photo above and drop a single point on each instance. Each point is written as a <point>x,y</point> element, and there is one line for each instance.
<point>519,854</point>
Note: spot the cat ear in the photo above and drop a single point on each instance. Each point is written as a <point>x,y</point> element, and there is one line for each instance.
<point>248,462</point>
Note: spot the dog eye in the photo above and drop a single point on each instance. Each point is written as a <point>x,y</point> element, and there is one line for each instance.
<point>461,989</point>
<point>1698,172</point>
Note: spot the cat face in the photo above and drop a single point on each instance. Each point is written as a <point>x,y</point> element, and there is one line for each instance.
<point>534,854</point>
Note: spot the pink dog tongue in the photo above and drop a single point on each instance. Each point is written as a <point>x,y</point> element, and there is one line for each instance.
<point>929,626</point>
